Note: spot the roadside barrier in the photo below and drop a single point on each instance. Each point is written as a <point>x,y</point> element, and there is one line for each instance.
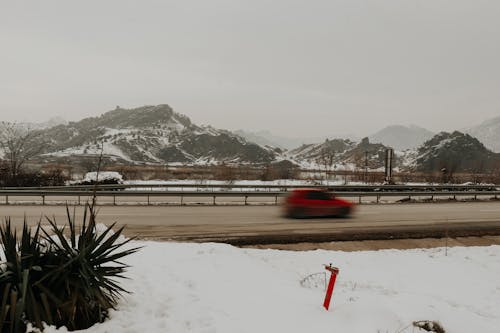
<point>79,197</point>
<point>268,188</point>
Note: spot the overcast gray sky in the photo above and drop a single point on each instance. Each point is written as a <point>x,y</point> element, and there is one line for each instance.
<point>315,67</point>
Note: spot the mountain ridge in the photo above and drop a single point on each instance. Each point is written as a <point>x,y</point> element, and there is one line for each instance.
<point>454,152</point>
<point>488,132</point>
<point>401,137</point>
<point>152,134</point>
<point>159,135</point>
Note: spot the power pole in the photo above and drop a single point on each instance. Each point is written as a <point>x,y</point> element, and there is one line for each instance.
<point>366,166</point>
<point>389,156</point>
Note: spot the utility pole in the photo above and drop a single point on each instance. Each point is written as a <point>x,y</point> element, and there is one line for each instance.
<point>389,156</point>
<point>345,173</point>
<point>366,166</point>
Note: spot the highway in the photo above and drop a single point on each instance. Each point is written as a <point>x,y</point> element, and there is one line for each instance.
<point>242,225</point>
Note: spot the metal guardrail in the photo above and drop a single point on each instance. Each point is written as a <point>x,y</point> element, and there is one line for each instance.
<point>337,188</point>
<point>43,194</point>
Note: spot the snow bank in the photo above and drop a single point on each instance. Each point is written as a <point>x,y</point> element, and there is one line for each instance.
<point>219,288</point>
<point>278,182</point>
<point>103,176</point>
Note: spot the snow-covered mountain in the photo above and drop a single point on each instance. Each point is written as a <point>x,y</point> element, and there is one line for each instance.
<point>270,139</point>
<point>43,125</point>
<point>315,151</point>
<point>488,132</point>
<point>340,152</point>
<point>151,134</point>
<point>263,138</point>
<point>456,152</point>
<point>158,135</point>
<point>402,137</point>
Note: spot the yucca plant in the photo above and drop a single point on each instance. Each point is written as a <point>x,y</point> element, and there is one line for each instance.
<point>83,277</point>
<point>23,264</point>
<point>65,276</point>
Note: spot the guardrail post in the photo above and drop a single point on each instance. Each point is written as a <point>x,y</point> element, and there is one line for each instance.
<point>247,195</point>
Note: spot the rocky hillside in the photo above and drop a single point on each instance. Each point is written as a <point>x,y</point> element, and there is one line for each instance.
<point>341,151</point>
<point>260,138</point>
<point>158,135</point>
<point>488,133</point>
<point>267,138</point>
<point>151,134</point>
<point>374,153</point>
<point>402,137</point>
<point>457,152</point>
<point>314,152</point>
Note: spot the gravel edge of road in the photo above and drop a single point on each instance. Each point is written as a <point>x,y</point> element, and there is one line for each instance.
<point>357,234</point>
<point>377,245</point>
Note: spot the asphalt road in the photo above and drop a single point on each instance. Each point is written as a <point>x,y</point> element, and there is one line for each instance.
<point>243,225</point>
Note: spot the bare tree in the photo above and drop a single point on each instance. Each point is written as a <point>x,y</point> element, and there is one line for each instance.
<point>18,145</point>
<point>326,158</point>
<point>448,169</point>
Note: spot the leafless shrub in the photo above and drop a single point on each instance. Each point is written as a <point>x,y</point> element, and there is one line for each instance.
<point>429,326</point>
<point>18,145</point>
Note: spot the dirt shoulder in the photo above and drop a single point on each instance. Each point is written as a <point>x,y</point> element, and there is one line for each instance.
<point>399,244</point>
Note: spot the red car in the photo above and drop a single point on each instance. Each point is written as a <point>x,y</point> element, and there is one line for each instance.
<point>316,203</point>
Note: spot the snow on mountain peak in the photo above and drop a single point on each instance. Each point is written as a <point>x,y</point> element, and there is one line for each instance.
<point>152,134</point>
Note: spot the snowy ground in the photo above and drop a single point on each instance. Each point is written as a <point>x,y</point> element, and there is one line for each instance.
<point>219,288</point>
<point>211,185</point>
<point>278,182</point>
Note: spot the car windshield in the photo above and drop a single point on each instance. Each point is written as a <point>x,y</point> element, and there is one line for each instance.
<point>316,195</point>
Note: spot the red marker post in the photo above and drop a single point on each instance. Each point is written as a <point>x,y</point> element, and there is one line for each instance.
<point>329,291</point>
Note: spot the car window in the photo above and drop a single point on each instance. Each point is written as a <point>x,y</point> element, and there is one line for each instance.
<point>317,196</point>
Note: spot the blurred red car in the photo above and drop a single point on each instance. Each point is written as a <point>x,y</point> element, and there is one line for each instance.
<point>304,203</point>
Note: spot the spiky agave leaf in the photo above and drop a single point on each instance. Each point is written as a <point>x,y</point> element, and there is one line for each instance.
<point>21,260</point>
<point>6,276</point>
<point>5,291</point>
<point>86,274</point>
<point>59,280</point>
<point>8,237</point>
